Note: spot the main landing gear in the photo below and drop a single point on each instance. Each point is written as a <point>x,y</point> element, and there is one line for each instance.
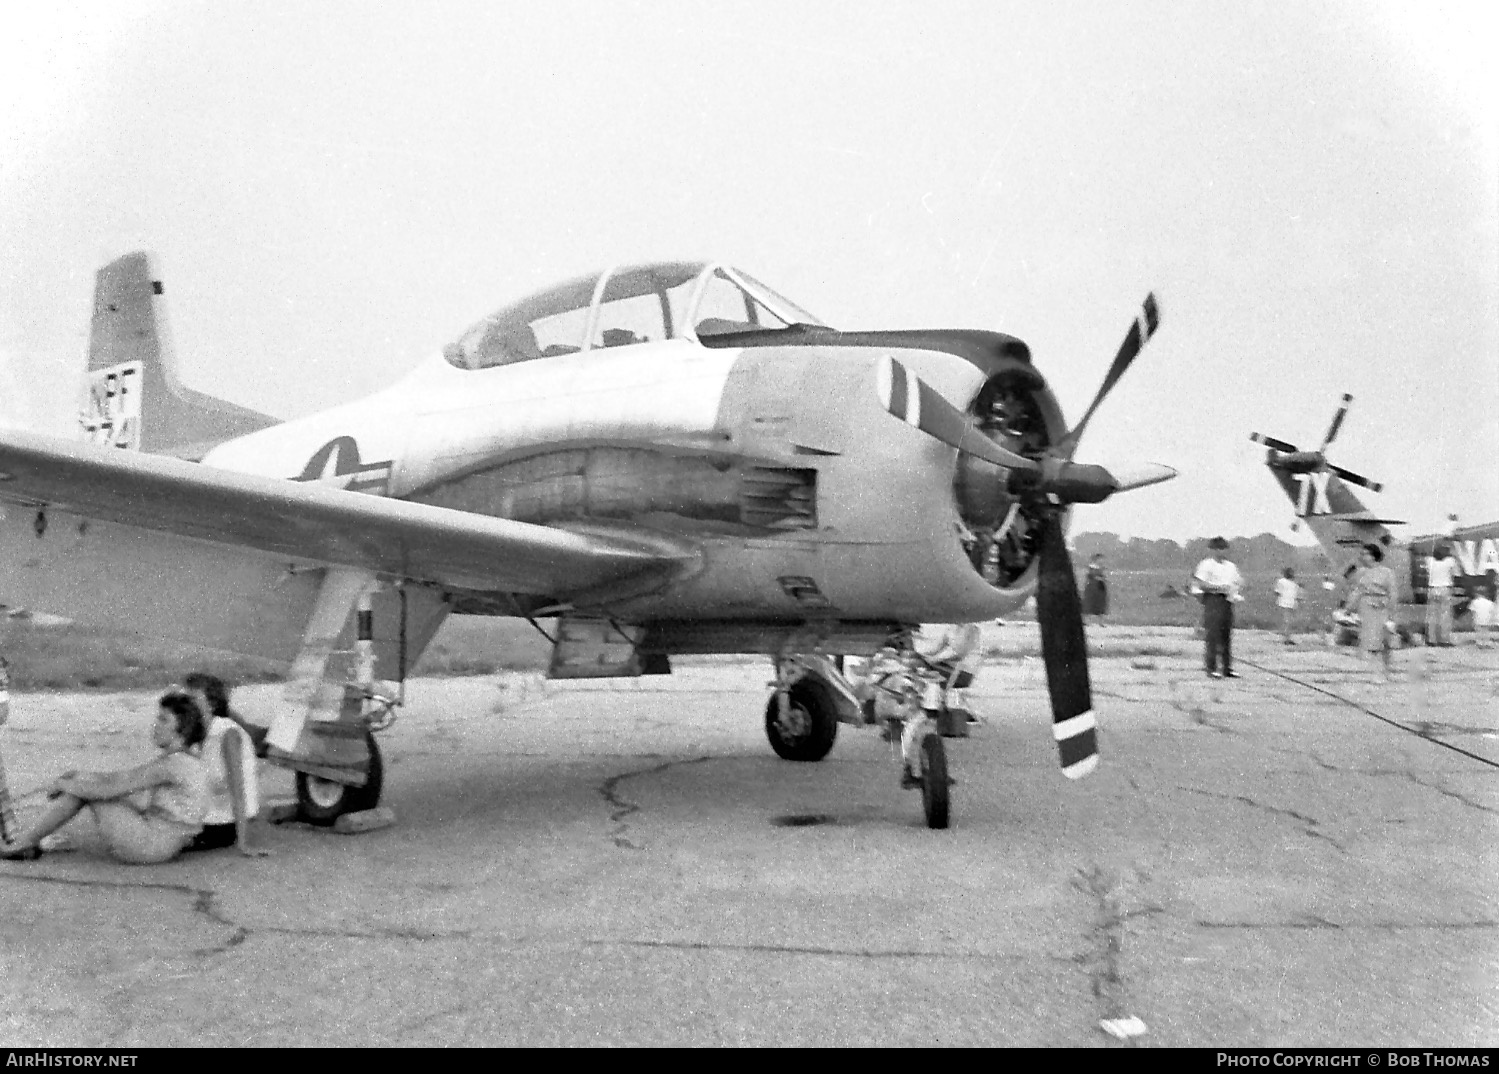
<point>322,801</point>
<point>801,717</point>
<point>346,749</point>
<point>810,698</point>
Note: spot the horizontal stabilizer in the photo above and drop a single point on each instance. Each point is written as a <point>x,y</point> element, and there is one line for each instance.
<point>1364,518</point>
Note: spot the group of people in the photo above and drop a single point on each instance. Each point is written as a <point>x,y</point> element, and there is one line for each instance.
<point>200,791</point>
<point>1369,605</point>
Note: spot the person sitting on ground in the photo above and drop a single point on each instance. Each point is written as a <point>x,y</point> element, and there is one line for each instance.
<point>213,698</point>
<point>146,814</point>
<point>233,781</point>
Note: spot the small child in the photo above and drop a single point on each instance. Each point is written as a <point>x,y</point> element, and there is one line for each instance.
<point>1287,593</point>
<point>1485,615</point>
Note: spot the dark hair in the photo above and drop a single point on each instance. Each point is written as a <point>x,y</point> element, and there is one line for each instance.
<point>1218,543</point>
<point>213,689</point>
<point>1290,572</point>
<point>191,727</point>
<point>1375,551</point>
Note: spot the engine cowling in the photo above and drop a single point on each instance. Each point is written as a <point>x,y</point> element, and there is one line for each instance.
<point>1015,410</point>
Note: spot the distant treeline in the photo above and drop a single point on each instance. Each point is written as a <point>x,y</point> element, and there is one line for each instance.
<point>1263,553</point>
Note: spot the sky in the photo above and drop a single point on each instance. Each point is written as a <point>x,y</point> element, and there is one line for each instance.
<point>333,191</point>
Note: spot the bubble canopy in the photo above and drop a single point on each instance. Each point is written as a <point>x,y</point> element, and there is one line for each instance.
<point>624,306</point>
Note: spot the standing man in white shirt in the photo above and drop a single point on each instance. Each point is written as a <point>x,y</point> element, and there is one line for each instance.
<point>1219,585</point>
<point>1441,571</point>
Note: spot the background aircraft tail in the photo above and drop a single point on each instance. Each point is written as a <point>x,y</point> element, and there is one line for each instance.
<point>1320,493</point>
<point>134,397</point>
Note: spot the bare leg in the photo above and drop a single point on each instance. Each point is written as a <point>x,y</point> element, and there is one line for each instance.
<point>134,838</point>
<point>63,809</point>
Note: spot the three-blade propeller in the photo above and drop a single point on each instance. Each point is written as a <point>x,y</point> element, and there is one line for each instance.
<point>1308,461</point>
<point>1047,485</point>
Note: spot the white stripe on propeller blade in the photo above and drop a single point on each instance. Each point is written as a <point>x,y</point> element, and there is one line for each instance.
<point>1066,729</point>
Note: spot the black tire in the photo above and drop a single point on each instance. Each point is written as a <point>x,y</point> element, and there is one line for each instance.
<point>813,724</point>
<point>323,801</point>
<point>934,783</point>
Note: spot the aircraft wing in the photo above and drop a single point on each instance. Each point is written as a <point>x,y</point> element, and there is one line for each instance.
<point>310,522</point>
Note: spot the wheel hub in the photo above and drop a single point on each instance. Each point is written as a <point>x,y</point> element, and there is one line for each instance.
<point>795,723</point>
<point>325,793</point>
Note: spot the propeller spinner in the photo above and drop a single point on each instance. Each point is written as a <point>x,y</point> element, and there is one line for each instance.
<point>1044,485</point>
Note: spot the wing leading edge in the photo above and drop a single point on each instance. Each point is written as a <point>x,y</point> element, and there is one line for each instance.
<point>315,523</point>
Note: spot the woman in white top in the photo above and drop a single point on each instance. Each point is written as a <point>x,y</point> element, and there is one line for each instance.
<point>146,814</point>
<point>233,781</point>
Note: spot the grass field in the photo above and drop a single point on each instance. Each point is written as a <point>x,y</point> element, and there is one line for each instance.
<point>1136,599</point>
<point>65,657</point>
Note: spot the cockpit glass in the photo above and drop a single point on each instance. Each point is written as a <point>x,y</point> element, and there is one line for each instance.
<point>641,303</point>
<point>543,325</point>
<point>789,310</point>
<point>638,304</point>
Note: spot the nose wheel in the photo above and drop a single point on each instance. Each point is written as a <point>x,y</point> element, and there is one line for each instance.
<point>934,781</point>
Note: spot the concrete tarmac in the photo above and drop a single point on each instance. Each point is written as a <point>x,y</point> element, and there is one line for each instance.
<point>1257,862</point>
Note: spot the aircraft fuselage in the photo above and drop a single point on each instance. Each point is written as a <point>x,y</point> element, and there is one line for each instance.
<point>776,462</point>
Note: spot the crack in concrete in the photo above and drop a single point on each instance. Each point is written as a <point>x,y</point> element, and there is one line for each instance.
<point>609,789</point>
<point>1119,696</point>
<point>1403,773</point>
<point>1311,921</point>
<point>1429,728</point>
<point>1449,794</point>
<point>1195,712</point>
<point>798,949</point>
<point>1104,961</point>
<point>1309,825</point>
<point>202,903</point>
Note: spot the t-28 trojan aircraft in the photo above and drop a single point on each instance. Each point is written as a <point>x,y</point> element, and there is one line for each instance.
<point>658,459</point>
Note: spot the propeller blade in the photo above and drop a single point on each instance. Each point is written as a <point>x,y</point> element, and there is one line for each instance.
<point>915,402</point>
<point>1272,443</point>
<point>1355,479</point>
<point>1064,649</point>
<point>1337,421</point>
<point>1141,475</point>
<point>1135,339</point>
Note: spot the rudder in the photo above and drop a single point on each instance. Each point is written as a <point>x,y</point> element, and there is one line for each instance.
<point>135,399</point>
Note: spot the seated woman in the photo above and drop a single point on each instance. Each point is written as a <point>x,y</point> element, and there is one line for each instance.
<point>146,814</point>
<point>229,750</point>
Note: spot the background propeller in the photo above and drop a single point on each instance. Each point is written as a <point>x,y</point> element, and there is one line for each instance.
<point>1045,486</point>
<point>1297,461</point>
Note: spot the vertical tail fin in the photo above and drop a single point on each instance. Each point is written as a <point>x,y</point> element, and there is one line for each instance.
<point>134,397</point>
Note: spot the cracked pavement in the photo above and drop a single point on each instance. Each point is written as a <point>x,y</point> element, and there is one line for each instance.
<point>1254,863</point>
